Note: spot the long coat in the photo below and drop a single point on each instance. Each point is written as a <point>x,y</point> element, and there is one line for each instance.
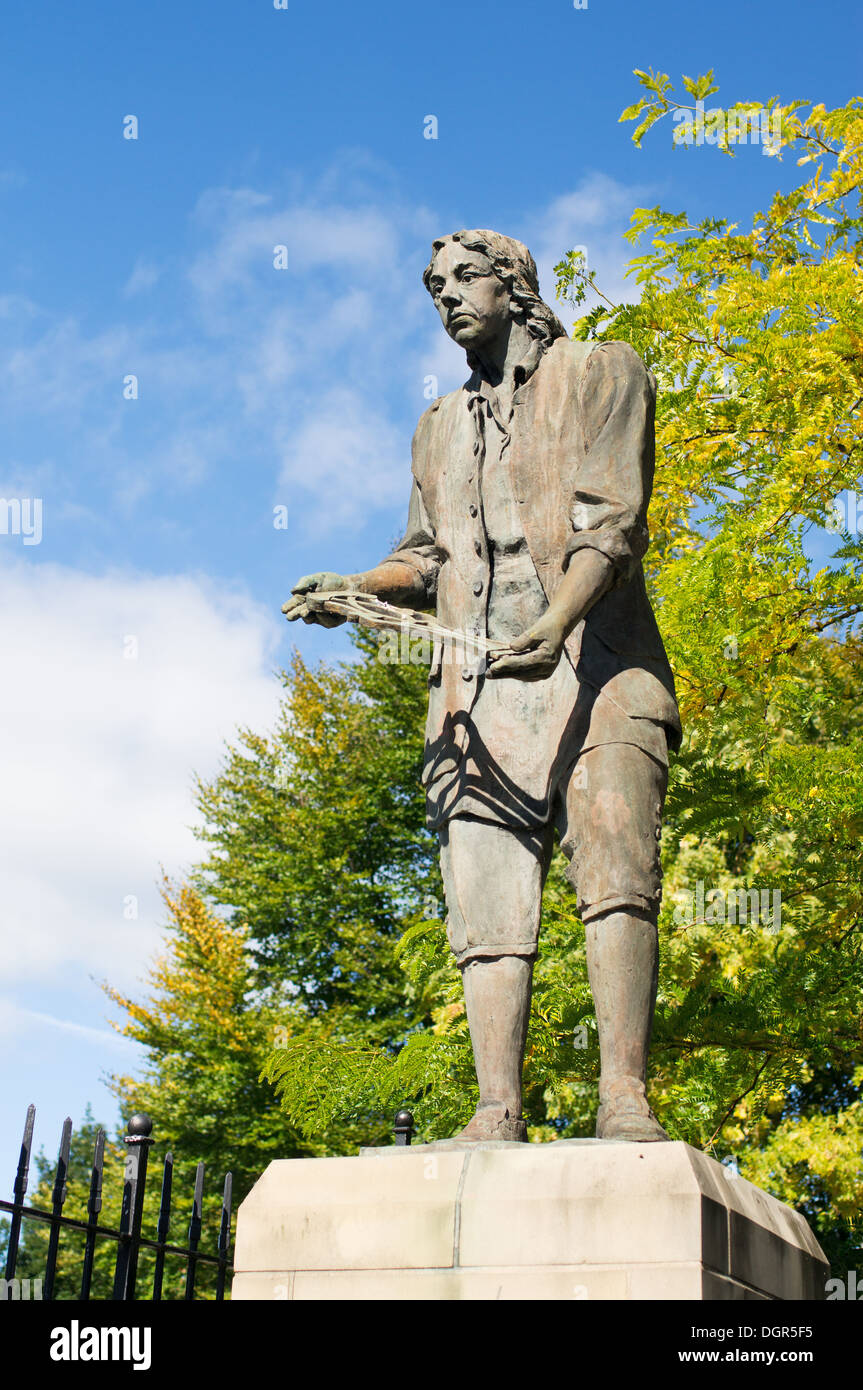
<point>581,457</point>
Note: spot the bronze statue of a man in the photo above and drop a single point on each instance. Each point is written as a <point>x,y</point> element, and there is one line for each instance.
<point>527,524</point>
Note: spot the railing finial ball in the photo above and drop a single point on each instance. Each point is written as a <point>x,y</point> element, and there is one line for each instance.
<point>404,1127</point>
<point>140,1125</point>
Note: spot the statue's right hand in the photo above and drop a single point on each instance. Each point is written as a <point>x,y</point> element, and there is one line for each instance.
<point>322,582</point>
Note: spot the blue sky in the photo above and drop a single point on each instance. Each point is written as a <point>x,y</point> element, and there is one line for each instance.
<point>145,626</point>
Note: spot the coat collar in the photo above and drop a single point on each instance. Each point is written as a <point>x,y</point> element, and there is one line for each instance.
<point>478,386</point>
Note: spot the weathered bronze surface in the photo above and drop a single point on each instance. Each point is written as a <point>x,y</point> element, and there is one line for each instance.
<point>527,525</point>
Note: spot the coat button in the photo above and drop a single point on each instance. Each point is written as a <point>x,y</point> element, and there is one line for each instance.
<point>466,673</point>
<point>477,588</point>
<point>472,509</point>
<point>477,545</point>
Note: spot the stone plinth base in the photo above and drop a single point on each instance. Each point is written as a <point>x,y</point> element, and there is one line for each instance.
<point>575,1219</point>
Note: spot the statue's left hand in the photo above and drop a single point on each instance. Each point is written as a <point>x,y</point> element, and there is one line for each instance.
<point>537,652</point>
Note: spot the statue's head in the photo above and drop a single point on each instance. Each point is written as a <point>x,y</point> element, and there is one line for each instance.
<point>480,282</point>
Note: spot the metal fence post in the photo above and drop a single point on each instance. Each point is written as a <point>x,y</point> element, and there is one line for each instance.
<point>138,1142</point>
<point>163,1225</point>
<point>58,1200</point>
<point>195,1226</point>
<point>404,1128</point>
<point>19,1192</point>
<point>94,1206</point>
<point>224,1235</point>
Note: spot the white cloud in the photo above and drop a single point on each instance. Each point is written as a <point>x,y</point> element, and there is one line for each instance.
<point>64,368</point>
<point>326,354</point>
<point>145,276</point>
<point>18,308</point>
<point>595,214</point>
<point>345,458</point>
<point>318,236</point>
<point>99,751</point>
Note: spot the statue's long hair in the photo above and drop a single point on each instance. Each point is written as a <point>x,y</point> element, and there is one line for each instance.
<point>515,267</point>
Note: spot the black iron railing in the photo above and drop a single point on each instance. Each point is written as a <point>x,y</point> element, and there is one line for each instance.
<point>127,1235</point>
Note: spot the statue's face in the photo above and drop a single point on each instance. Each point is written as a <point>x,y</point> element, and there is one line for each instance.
<point>472,302</point>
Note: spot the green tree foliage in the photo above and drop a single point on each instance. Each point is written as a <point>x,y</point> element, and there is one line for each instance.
<point>754,334</point>
<point>206,1030</point>
<point>317,837</point>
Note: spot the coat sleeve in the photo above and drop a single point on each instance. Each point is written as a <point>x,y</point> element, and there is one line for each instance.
<point>616,405</point>
<point>417,546</point>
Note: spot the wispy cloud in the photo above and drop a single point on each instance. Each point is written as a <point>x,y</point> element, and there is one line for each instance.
<point>144,277</point>
<point>14,1020</point>
<point>595,214</point>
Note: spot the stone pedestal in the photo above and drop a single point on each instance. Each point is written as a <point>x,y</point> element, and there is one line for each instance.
<point>575,1219</point>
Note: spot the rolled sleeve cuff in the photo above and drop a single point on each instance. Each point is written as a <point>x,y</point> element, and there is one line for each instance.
<point>623,547</point>
<point>425,565</point>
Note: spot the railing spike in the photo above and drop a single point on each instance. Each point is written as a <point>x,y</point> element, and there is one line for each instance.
<point>19,1192</point>
<point>163,1224</point>
<point>58,1198</point>
<point>195,1231</point>
<point>94,1206</point>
